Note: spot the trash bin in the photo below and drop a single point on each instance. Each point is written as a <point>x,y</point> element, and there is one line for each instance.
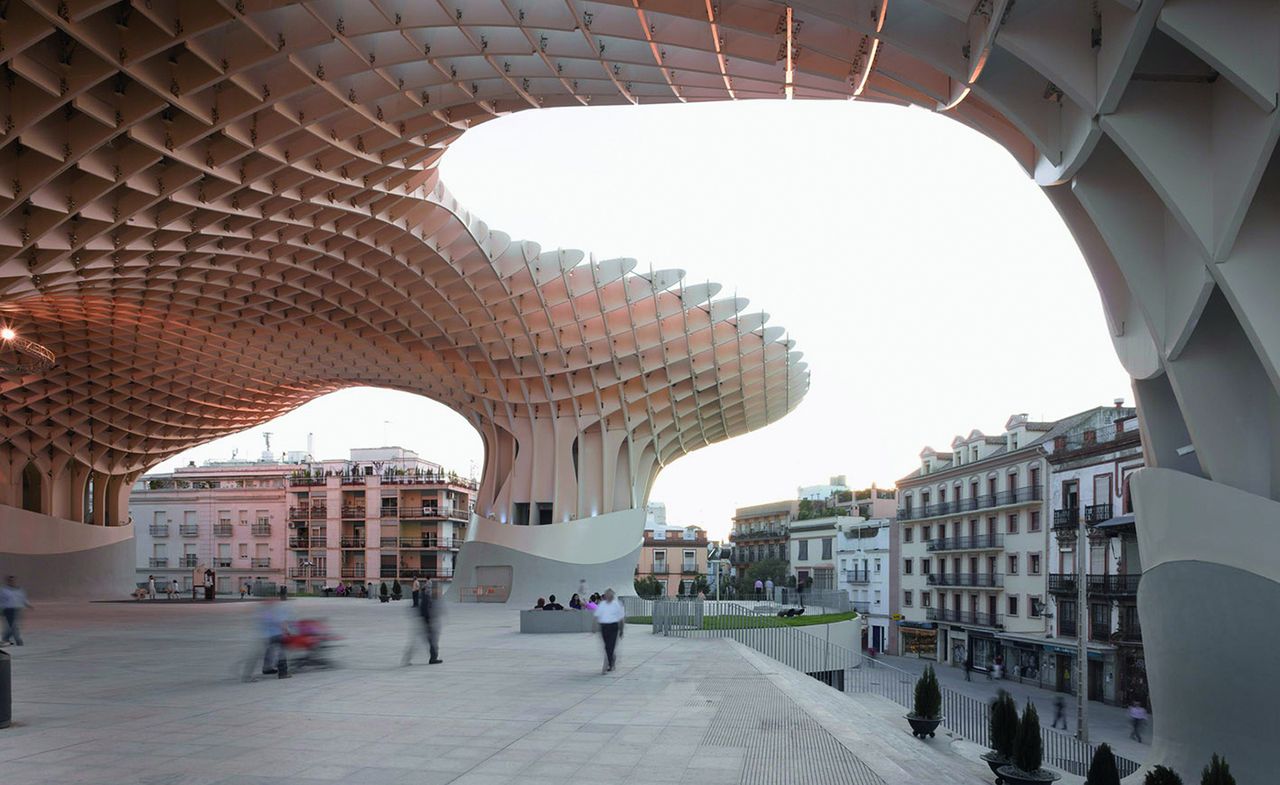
<point>6,691</point>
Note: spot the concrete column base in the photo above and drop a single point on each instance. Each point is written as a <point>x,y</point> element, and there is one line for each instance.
<point>1207,600</point>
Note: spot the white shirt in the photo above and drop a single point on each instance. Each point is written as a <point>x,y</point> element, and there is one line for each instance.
<point>610,612</point>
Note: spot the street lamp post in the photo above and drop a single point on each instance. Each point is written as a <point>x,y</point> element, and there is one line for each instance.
<point>1082,650</point>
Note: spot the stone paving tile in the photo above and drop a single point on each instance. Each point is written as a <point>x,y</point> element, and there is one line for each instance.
<point>116,695</point>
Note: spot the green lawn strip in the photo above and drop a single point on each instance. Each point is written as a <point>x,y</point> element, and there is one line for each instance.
<point>771,620</point>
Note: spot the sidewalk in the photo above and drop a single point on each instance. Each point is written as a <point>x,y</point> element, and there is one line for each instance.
<point>1106,723</point>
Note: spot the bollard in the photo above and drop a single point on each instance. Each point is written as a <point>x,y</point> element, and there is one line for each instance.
<point>6,690</point>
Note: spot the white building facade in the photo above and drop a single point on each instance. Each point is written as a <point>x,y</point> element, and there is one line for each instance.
<point>229,517</point>
<point>863,551</point>
<point>973,530</point>
<point>811,552</point>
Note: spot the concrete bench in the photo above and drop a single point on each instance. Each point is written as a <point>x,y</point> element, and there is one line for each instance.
<point>568,620</point>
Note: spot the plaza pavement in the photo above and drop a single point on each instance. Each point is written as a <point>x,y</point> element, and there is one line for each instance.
<point>149,694</point>
<point>1106,723</point>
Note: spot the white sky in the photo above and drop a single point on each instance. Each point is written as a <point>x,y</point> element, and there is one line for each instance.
<point>928,281</point>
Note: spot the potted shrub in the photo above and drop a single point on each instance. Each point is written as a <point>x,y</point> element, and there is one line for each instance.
<point>1102,770</point>
<point>1003,728</point>
<point>1217,772</point>
<point>927,711</point>
<point>1162,775</point>
<point>1028,753</point>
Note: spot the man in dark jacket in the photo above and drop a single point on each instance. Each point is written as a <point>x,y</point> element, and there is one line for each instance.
<point>428,611</point>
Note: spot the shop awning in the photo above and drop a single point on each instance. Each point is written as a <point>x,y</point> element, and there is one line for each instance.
<point>918,625</point>
<point>1118,522</point>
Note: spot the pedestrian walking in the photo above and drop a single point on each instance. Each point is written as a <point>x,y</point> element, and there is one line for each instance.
<point>13,601</point>
<point>383,593</point>
<point>1137,716</point>
<point>768,589</point>
<point>429,613</point>
<point>151,587</point>
<point>1059,712</point>
<point>244,590</point>
<point>417,588</point>
<point>968,668</point>
<point>611,616</point>
<point>759,587</point>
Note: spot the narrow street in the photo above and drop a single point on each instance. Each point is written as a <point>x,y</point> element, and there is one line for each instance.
<point>1106,723</point>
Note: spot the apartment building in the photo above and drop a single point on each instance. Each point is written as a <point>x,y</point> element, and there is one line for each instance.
<point>227,516</point>
<point>1090,468</point>
<point>381,515</point>
<point>675,557</point>
<point>973,530</point>
<point>865,557</point>
<point>760,532</point>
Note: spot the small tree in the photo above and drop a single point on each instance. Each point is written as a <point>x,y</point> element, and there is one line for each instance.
<point>1003,724</point>
<point>1217,772</point>
<point>1162,775</point>
<point>1028,749</point>
<point>1102,770</point>
<point>928,703</point>
<point>648,587</point>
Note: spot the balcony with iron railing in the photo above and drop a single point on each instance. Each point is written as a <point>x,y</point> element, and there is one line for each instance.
<point>771,533</point>
<point>313,512</point>
<point>306,572</point>
<point>189,560</point>
<point>306,482</point>
<point>1097,585</point>
<point>1066,518</point>
<point>861,606</point>
<point>1023,495</point>
<point>1130,630</point>
<point>422,543</point>
<point>432,511</point>
<point>980,580</point>
<point>353,512</point>
<point>416,572</point>
<point>351,542</point>
<point>659,568</point>
<point>971,618</point>
<point>158,530</point>
<point>977,542</point>
<point>353,479</point>
<point>356,571</point>
<point>261,530</point>
<point>857,576</point>
<point>259,562</point>
<point>158,561</point>
<point>222,530</point>
<point>189,529</point>
<point>689,568</point>
<point>222,562</point>
<point>1097,513</point>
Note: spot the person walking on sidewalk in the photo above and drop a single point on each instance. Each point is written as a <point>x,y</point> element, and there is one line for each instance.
<point>611,616</point>
<point>417,591</point>
<point>13,600</point>
<point>151,587</point>
<point>968,668</point>
<point>429,612</point>
<point>1059,712</point>
<point>1137,716</point>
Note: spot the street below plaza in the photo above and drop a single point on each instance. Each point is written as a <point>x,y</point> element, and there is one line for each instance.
<point>1106,723</point>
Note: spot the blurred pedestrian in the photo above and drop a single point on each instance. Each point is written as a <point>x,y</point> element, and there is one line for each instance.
<point>13,601</point>
<point>417,588</point>
<point>273,624</point>
<point>968,668</point>
<point>429,613</point>
<point>1059,712</point>
<point>611,616</point>
<point>1137,716</point>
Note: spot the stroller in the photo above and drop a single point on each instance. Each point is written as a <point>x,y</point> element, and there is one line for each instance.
<point>307,644</point>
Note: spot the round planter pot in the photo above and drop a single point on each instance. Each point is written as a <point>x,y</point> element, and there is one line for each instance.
<point>923,726</point>
<point>995,761</point>
<point>1012,775</point>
